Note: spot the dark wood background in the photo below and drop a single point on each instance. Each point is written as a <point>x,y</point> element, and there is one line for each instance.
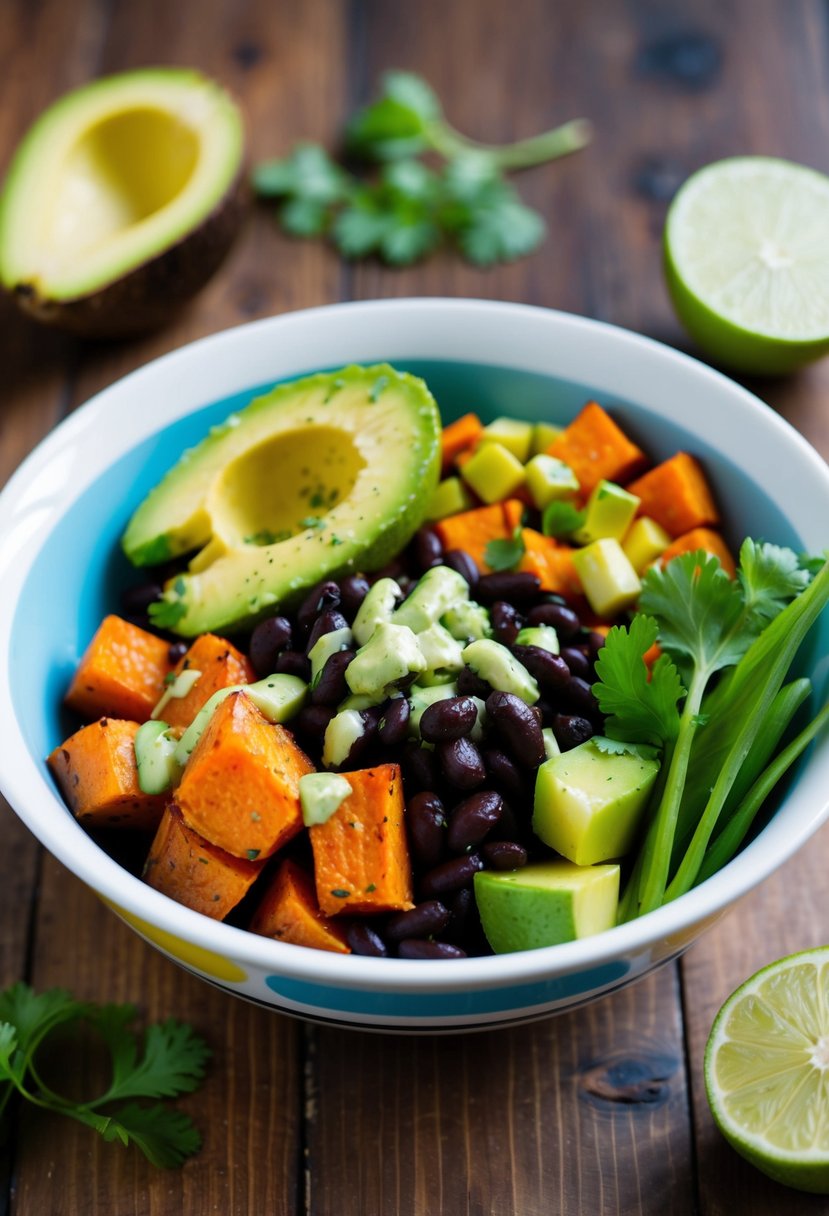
<point>601,1111</point>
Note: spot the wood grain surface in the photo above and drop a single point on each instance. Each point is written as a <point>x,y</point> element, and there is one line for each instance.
<point>600,1111</point>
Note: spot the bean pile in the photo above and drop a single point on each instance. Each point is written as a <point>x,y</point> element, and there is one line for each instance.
<point>468,804</point>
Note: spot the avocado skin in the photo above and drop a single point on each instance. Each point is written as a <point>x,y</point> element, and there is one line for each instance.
<point>150,295</point>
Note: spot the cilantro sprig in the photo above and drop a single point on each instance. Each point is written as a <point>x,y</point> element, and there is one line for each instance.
<point>705,623</point>
<point>169,1060</point>
<point>505,553</point>
<point>406,208</point>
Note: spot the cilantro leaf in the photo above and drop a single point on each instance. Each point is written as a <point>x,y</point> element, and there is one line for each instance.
<point>166,613</point>
<point>698,608</point>
<point>170,1061</point>
<point>771,576</point>
<point>561,518</point>
<point>308,173</point>
<point>638,710</point>
<point>505,554</point>
<point>397,123</point>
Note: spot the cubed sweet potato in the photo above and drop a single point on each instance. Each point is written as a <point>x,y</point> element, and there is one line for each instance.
<point>289,912</point>
<point>121,674</point>
<point>473,530</point>
<point>677,495</point>
<point>220,664</point>
<point>194,872</point>
<point>240,788</point>
<point>459,436</point>
<point>701,538</point>
<point>596,448</point>
<point>361,858</point>
<point>552,563</point>
<point>95,769</point>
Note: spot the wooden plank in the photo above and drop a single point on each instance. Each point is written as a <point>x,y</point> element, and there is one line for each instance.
<point>586,1112</point>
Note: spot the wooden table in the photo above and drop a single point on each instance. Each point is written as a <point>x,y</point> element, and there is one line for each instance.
<point>602,1111</point>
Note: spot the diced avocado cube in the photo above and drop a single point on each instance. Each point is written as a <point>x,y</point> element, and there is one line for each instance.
<point>609,581</point>
<point>155,757</point>
<point>391,653</point>
<point>279,697</point>
<point>545,904</point>
<point>549,480</point>
<point>363,700</point>
<point>544,433</point>
<point>442,652</point>
<point>467,621</point>
<point>551,747</point>
<point>643,542</point>
<point>588,802</point>
<point>542,636</point>
<point>608,513</point>
<point>439,589</point>
<point>320,795</point>
<point>330,643</point>
<point>493,472</point>
<point>378,605</point>
<point>341,733</point>
<point>449,498</point>
<point>514,435</point>
<point>500,668</point>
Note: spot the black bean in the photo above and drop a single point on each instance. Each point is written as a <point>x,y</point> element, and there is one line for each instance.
<point>326,622</point>
<point>362,743</point>
<point>593,641</point>
<point>518,726</point>
<point>470,685</point>
<point>471,820</point>
<point>504,854</point>
<point>394,724</point>
<point>564,620</point>
<point>426,826</point>
<point>353,590</point>
<point>424,920</point>
<point>293,663</point>
<point>505,773</point>
<point>414,948</point>
<point>330,687</point>
<point>136,600</point>
<point>461,763</point>
<point>267,641</point>
<point>506,622</point>
<point>547,710</point>
<point>579,696</point>
<point>364,940</point>
<point>450,876</point>
<point>392,569</point>
<point>176,651</point>
<point>577,662</point>
<point>427,549</point>
<point>549,670</point>
<point>464,565</point>
<point>448,719</point>
<point>312,720</point>
<point>571,730</point>
<point>516,587</point>
<point>420,770</point>
<point>325,595</point>
<point>552,597</point>
<point>465,924</point>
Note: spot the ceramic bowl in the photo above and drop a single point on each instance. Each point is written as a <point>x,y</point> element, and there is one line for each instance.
<point>62,514</point>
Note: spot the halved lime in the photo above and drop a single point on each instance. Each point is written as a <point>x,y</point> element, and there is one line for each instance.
<point>747,262</point>
<point>767,1070</point>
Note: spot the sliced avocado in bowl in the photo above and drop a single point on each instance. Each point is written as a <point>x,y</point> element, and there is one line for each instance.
<point>320,476</point>
<point>121,201</point>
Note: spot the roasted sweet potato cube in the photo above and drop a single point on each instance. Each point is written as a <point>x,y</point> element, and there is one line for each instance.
<point>361,858</point>
<point>701,538</point>
<point>121,674</point>
<point>240,788</point>
<point>95,769</point>
<point>220,664</point>
<point>194,872</point>
<point>677,495</point>
<point>473,530</point>
<point>596,448</point>
<point>552,563</point>
<point>289,912</point>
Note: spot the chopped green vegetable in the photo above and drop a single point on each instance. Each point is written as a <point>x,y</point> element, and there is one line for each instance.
<point>505,554</point>
<point>404,212</point>
<point>170,1061</point>
<point>561,519</point>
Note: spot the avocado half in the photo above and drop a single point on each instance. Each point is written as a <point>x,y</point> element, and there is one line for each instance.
<point>122,200</point>
<point>321,476</point>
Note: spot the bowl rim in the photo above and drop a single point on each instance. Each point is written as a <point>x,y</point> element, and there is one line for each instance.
<point>229,357</point>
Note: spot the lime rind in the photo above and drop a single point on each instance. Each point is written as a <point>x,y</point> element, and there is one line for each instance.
<point>767,1070</point>
<point>747,262</point>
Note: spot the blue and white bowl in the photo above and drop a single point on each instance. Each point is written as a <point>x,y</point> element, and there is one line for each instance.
<point>63,512</point>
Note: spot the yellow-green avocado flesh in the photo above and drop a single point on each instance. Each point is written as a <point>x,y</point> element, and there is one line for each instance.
<point>321,476</point>
<point>121,200</point>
